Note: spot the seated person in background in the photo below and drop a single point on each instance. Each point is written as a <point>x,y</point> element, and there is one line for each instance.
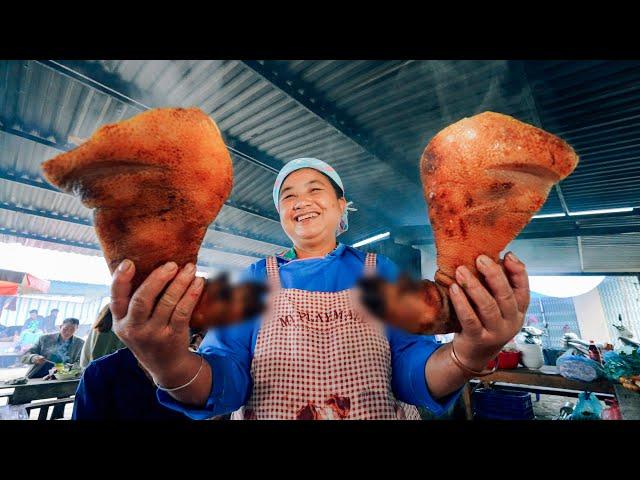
<point>101,340</point>
<point>49,322</point>
<point>33,322</point>
<point>62,347</point>
<point>5,334</point>
<point>9,337</point>
<point>29,337</point>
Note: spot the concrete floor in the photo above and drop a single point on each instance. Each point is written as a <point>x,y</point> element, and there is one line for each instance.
<point>549,406</point>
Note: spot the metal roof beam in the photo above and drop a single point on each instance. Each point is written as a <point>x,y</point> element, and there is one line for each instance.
<point>305,94</point>
<point>48,238</point>
<point>34,137</point>
<point>530,100</point>
<point>33,236</point>
<point>583,231</point>
<point>45,214</point>
<point>85,222</point>
<point>99,79</point>
<point>88,245</point>
<point>554,227</point>
<point>39,182</point>
<point>24,179</point>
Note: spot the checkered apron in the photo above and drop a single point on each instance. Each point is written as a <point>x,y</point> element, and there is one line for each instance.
<point>319,356</point>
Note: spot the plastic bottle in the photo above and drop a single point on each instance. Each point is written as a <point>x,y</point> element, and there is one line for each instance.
<point>594,353</point>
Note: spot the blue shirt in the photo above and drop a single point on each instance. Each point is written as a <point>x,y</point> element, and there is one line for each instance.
<point>229,350</point>
<point>114,387</point>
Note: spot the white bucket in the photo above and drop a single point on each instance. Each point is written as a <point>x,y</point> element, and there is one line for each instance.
<point>532,356</point>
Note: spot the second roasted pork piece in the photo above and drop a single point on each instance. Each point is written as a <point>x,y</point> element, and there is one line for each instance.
<point>483,179</point>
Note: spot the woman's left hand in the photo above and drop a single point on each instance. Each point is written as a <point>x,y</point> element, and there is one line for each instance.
<point>489,319</point>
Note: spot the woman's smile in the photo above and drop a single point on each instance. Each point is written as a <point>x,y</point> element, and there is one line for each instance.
<point>308,223</point>
<point>306,217</point>
<point>310,210</point>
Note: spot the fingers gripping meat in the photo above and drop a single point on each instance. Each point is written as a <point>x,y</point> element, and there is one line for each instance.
<point>483,178</point>
<point>155,182</point>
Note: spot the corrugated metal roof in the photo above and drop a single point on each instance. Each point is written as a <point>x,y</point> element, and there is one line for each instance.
<point>46,227</point>
<point>547,256</point>
<point>405,104</point>
<point>566,255</point>
<point>39,200</point>
<point>595,107</point>
<point>237,98</point>
<point>370,119</point>
<point>612,253</point>
<point>29,242</point>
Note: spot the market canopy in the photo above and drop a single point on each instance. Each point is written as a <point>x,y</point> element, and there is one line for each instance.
<point>21,283</point>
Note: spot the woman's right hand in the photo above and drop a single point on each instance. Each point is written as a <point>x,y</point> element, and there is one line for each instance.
<point>155,327</point>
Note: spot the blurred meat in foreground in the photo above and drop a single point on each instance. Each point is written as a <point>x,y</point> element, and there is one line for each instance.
<point>224,304</point>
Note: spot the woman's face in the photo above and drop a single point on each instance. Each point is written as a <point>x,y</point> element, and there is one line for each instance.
<point>309,208</point>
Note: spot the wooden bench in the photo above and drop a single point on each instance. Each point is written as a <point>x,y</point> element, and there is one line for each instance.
<point>50,396</point>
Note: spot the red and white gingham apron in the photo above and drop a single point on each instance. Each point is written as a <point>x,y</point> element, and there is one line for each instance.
<point>318,356</point>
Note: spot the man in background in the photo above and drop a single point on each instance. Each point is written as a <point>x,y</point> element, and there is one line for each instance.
<point>62,347</point>
<point>49,322</point>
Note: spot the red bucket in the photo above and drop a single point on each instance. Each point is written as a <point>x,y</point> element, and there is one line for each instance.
<point>506,361</point>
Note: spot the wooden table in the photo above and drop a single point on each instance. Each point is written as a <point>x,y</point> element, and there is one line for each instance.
<point>548,381</point>
<point>60,392</point>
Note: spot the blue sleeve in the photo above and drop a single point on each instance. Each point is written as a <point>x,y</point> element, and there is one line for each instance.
<point>92,399</point>
<point>386,268</point>
<point>409,355</point>
<point>229,352</point>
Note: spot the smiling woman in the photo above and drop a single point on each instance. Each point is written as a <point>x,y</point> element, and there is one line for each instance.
<point>318,352</point>
<point>317,334</point>
<point>309,212</point>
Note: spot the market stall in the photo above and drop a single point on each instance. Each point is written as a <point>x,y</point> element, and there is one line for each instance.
<point>491,182</point>
<point>601,381</point>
